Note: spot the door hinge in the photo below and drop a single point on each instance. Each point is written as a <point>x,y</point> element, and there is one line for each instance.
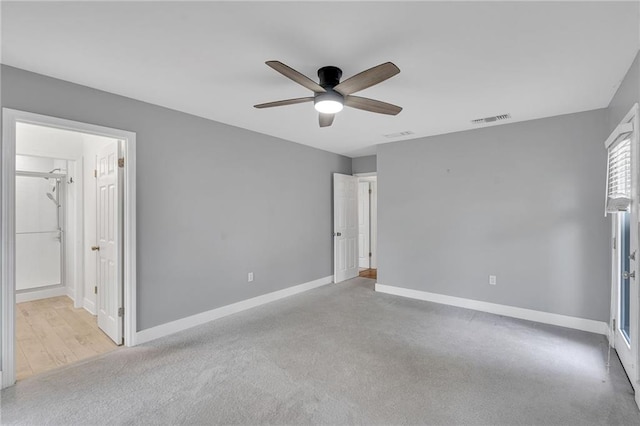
<point>120,312</point>
<point>95,173</point>
<point>614,243</point>
<point>370,254</point>
<point>121,162</point>
<point>614,325</point>
<point>370,191</point>
<point>95,290</point>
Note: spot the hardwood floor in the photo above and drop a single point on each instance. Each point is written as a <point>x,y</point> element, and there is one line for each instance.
<point>51,333</point>
<point>369,273</point>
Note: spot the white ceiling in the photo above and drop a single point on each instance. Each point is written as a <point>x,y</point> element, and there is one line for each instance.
<point>459,61</point>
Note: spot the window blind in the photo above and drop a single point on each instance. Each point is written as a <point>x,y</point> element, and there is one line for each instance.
<point>619,176</point>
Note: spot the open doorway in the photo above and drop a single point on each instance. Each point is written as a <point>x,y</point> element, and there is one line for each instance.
<point>68,289</point>
<point>355,221</point>
<point>59,319</point>
<point>367,226</point>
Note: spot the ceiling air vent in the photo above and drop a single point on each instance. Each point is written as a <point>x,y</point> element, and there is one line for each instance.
<point>491,119</point>
<point>399,134</point>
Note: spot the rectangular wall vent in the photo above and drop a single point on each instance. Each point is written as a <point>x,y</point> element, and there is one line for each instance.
<point>399,134</point>
<point>491,119</point>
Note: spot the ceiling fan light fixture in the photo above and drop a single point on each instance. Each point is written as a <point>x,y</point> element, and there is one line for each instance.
<point>328,102</point>
<point>328,106</point>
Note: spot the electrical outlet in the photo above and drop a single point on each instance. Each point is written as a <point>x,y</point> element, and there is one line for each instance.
<point>492,279</point>
<point>250,277</point>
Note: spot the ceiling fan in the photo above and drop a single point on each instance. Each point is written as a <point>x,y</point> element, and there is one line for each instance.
<point>330,95</point>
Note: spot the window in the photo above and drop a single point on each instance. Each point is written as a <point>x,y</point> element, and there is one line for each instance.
<point>618,197</point>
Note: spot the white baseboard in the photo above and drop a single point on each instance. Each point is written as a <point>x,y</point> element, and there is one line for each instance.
<point>89,306</point>
<point>609,334</point>
<point>204,317</point>
<point>71,294</point>
<point>40,294</point>
<point>599,327</point>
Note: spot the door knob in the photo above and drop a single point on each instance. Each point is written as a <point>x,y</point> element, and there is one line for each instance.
<point>626,275</point>
<point>95,248</point>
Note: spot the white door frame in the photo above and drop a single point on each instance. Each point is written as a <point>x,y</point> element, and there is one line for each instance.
<point>373,217</point>
<point>364,215</point>
<point>10,118</point>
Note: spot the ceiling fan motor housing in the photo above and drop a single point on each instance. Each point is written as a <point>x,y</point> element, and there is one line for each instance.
<point>329,78</point>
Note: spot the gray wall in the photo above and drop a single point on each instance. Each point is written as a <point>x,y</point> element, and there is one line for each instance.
<point>214,201</point>
<point>522,201</point>
<point>364,164</point>
<point>626,96</point>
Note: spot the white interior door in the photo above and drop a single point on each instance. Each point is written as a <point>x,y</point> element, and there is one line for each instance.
<point>109,252</point>
<point>364,230</point>
<point>345,224</point>
<point>625,306</point>
<point>622,203</point>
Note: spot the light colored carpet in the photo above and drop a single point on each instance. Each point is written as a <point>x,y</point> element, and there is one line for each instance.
<point>341,354</point>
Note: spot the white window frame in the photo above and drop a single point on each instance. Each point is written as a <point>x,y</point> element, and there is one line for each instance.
<point>621,134</point>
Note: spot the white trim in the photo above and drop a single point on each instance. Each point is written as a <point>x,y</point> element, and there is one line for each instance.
<point>90,306</point>
<point>205,317</point>
<point>622,129</point>
<point>8,264</point>
<point>70,293</point>
<point>7,230</point>
<point>373,237</point>
<point>130,243</point>
<point>372,178</point>
<point>42,294</point>
<point>592,326</point>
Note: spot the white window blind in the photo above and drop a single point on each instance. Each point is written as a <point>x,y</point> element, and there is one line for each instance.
<point>619,176</point>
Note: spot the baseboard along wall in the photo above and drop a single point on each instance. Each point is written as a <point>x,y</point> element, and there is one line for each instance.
<point>205,317</point>
<point>89,306</point>
<point>592,326</point>
<point>583,324</point>
<point>46,293</point>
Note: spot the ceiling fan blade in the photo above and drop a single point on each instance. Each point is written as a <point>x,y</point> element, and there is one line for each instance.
<point>284,102</point>
<point>372,105</point>
<point>367,78</point>
<point>326,119</point>
<point>294,75</point>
